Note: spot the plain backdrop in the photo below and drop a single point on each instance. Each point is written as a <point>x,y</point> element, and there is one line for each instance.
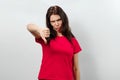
<point>95,23</point>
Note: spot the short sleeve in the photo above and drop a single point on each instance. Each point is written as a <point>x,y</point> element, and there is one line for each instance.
<point>39,40</point>
<point>76,46</point>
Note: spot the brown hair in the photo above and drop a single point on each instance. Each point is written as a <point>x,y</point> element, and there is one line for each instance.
<point>65,29</point>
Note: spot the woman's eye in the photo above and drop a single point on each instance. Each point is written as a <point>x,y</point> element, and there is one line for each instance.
<point>58,19</point>
<point>52,21</point>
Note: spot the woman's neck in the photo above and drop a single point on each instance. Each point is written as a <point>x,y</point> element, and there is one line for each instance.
<point>59,34</point>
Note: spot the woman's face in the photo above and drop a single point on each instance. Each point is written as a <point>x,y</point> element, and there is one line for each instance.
<point>56,22</point>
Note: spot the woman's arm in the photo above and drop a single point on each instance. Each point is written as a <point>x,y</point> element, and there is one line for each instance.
<point>38,32</point>
<point>34,29</point>
<point>76,67</point>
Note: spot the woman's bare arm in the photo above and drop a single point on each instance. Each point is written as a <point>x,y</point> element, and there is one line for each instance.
<point>34,29</point>
<point>38,32</point>
<point>76,67</point>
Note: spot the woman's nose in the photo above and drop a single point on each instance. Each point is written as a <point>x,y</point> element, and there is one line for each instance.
<point>56,22</point>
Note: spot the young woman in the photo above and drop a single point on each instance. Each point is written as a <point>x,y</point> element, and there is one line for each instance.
<point>59,46</point>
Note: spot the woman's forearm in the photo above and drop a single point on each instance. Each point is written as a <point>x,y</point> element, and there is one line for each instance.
<point>34,29</point>
<point>77,74</point>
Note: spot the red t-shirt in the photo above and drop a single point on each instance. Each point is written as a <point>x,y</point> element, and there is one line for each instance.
<point>57,60</point>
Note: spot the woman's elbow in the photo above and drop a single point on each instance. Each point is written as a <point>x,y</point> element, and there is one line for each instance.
<point>29,26</point>
<point>76,69</point>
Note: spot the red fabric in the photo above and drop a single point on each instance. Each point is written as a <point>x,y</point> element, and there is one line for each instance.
<point>57,60</point>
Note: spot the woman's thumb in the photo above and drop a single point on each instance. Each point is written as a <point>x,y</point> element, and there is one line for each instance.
<point>44,39</point>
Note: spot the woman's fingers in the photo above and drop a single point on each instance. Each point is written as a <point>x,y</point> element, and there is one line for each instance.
<point>45,32</point>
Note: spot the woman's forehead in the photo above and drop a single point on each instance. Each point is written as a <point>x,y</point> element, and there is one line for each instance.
<point>54,17</point>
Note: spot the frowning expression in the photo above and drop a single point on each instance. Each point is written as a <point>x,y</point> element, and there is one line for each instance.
<point>56,22</point>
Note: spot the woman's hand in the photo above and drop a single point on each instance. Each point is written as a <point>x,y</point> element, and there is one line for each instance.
<point>44,33</point>
<point>39,32</point>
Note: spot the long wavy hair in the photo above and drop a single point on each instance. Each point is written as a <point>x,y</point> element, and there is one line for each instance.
<point>65,29</point>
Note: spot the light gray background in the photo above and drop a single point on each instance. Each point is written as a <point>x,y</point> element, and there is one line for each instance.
<point>95,23</point>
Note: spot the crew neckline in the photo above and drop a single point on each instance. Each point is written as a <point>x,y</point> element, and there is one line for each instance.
<point>60,36</point>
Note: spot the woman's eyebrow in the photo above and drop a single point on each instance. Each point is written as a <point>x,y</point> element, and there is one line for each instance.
<point>56,20</point>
